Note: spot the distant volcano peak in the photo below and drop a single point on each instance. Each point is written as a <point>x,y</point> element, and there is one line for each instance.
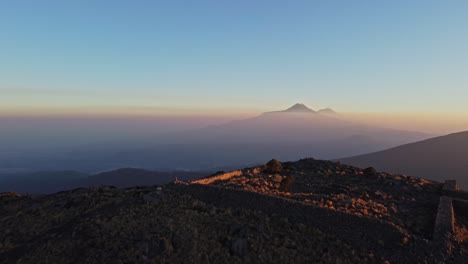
<point>301,108</point>
<point>327,111</point>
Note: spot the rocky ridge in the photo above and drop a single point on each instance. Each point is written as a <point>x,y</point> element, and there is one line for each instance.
<point>292,212</point>
<point>156,225</point>
<point>408,202</point>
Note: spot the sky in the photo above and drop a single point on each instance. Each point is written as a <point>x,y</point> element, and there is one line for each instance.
<point>225,56</point>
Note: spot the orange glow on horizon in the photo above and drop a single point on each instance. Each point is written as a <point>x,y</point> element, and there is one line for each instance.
<point>436,123</point>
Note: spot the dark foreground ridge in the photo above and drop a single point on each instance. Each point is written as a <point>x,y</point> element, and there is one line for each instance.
<point>157,225</point>
<point>300,212</point>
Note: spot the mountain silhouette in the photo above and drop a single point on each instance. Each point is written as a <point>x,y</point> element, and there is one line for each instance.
<point>289,134</point>
<point>299,108</point>
<point>327,111</point>
<point>439,159</point>
<point>55,181</point>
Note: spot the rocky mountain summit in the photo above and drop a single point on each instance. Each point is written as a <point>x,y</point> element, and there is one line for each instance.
<point>299,108</point>
<point>302,108</point>
<point>394,198</point>
<point>308,211</point>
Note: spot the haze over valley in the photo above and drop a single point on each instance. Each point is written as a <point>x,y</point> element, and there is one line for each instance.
<point>235,132</point>
<point>184,145</point>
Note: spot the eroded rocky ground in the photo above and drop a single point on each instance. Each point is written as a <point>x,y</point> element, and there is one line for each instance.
<point>167,224</point>
<point>408,202</point>
<point>461,230</point>
<point>155,225</point>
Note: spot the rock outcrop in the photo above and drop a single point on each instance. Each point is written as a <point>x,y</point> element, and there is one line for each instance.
<point>308,211</point>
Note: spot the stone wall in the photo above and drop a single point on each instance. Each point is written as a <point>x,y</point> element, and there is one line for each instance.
<point>451,185</point>
<point>444,223</point>
<point>452,203</point>
<point>363,232</point>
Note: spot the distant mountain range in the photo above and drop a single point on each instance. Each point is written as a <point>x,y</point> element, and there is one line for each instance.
<point>438,159</point>
<point>298,108</point>
<point>55,181</point>
<point>287,135</point>
<point>302,108</point>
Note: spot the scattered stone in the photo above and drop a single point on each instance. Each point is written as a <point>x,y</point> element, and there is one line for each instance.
<point>108,225</point>
<point>277,178</point>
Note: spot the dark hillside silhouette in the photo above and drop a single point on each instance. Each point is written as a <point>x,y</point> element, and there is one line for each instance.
<point>438,159</point>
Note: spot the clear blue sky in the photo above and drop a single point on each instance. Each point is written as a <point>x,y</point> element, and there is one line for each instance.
<point>352,55</point>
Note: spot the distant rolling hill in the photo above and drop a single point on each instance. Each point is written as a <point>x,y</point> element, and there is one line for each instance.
<point>55,181</point>
<point>41,181</point>
<point>436,159</point>
<point>128,177</point>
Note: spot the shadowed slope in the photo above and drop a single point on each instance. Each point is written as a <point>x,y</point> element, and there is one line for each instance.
<point>308,211</point>
<point>157,225</point>
<point>438,159</point>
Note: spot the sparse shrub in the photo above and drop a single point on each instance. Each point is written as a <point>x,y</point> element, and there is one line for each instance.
<point>274,166</point>
<point>370,171</point>
<point>286,184</point>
